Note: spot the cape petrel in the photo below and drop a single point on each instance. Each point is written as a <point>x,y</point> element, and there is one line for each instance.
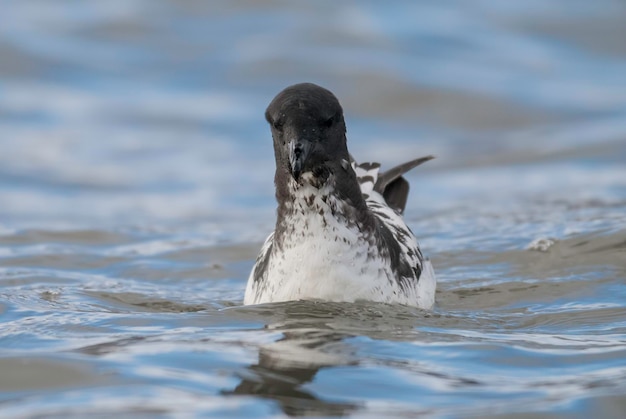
<point>339,234</point>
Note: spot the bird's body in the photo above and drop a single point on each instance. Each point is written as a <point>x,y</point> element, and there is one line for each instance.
<point>339,235</point>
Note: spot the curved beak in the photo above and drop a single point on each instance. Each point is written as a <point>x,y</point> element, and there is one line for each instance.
<point>299,150</point>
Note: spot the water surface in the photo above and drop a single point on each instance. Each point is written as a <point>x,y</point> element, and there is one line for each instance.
<point>136,188</point>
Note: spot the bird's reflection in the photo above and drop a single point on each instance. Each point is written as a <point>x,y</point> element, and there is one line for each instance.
<point>286,366</point>
<point>316,336</point>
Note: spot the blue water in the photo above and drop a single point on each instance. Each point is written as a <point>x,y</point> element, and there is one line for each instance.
<point>136,188</point>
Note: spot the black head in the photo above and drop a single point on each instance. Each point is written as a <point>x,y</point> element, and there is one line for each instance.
<point>309,131</point>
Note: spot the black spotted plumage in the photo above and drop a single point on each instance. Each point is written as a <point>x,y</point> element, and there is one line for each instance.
<point>339,232</point>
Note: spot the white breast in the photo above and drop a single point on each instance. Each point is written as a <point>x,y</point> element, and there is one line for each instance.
<point>329,259</point>
<point>326,256</point>
<point>322,259</point>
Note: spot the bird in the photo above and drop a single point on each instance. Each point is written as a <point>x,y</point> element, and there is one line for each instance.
<point>340,235</point>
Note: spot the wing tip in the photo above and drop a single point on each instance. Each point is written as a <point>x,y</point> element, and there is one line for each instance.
<point>396,172</point>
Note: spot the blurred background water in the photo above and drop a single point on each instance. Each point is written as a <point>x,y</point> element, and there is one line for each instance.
<point>136,187</point>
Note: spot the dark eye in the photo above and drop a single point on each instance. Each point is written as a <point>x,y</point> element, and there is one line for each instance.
<point>277,124</point>
<point>330,121</point>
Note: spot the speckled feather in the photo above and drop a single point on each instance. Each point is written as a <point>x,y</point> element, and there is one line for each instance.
<point>329,258</point>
